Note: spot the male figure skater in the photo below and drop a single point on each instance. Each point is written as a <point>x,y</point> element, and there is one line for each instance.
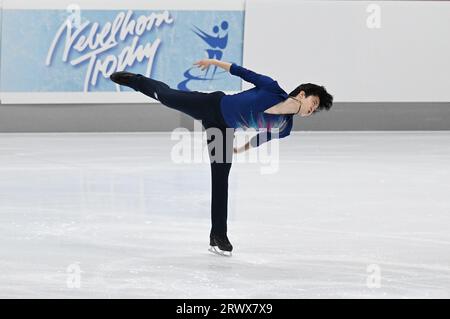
<point>263,107</point>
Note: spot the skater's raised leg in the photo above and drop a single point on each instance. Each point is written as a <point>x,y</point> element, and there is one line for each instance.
<point>194,103</point>
<point>140,83</point>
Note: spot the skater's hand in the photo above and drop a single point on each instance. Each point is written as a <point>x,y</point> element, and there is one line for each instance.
<point>242,148</point>
<point>204,64</point>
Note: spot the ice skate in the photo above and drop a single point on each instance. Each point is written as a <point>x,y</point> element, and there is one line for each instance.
<point>122,77</point>
<point>220,245</point>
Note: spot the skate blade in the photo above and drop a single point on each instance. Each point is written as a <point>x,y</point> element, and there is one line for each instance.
<point>217,251</point>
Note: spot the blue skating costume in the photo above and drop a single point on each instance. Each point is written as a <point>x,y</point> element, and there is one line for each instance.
<point>246,109</point>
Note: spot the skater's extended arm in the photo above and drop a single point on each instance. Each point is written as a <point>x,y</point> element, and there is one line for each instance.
<point>224,65</point>
<point>263,137</point>
<point>258,80</point>
<point>205,63</point>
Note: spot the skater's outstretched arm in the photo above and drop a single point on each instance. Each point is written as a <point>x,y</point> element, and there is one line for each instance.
<point>264,137</point>
<point>205,63</point>
<point>259,80</point>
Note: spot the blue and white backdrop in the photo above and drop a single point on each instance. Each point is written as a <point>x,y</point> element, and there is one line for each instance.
<point>65,51</point>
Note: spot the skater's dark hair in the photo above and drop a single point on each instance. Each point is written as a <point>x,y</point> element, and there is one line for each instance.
<point>326,99</point>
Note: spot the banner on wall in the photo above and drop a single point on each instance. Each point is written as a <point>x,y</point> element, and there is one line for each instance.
<point>65,52</point>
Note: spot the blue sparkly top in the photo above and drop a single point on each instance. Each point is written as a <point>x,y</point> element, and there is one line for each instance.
<point>246,109</point>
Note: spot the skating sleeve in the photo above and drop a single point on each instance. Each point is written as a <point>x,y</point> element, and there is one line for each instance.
<point>260,138</point>
<point>264,137</point>
<point>258,80</point>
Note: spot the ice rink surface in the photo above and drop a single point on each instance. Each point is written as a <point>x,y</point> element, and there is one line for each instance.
<point>347,214</point>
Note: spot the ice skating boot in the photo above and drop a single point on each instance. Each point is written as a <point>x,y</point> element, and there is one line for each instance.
<point>122,77</point>
<point>219,244</point>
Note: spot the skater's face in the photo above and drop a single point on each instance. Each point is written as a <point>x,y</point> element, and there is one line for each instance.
<point>308,104</point>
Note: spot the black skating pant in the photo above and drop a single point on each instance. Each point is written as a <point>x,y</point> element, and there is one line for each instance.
<point>204,107</point>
